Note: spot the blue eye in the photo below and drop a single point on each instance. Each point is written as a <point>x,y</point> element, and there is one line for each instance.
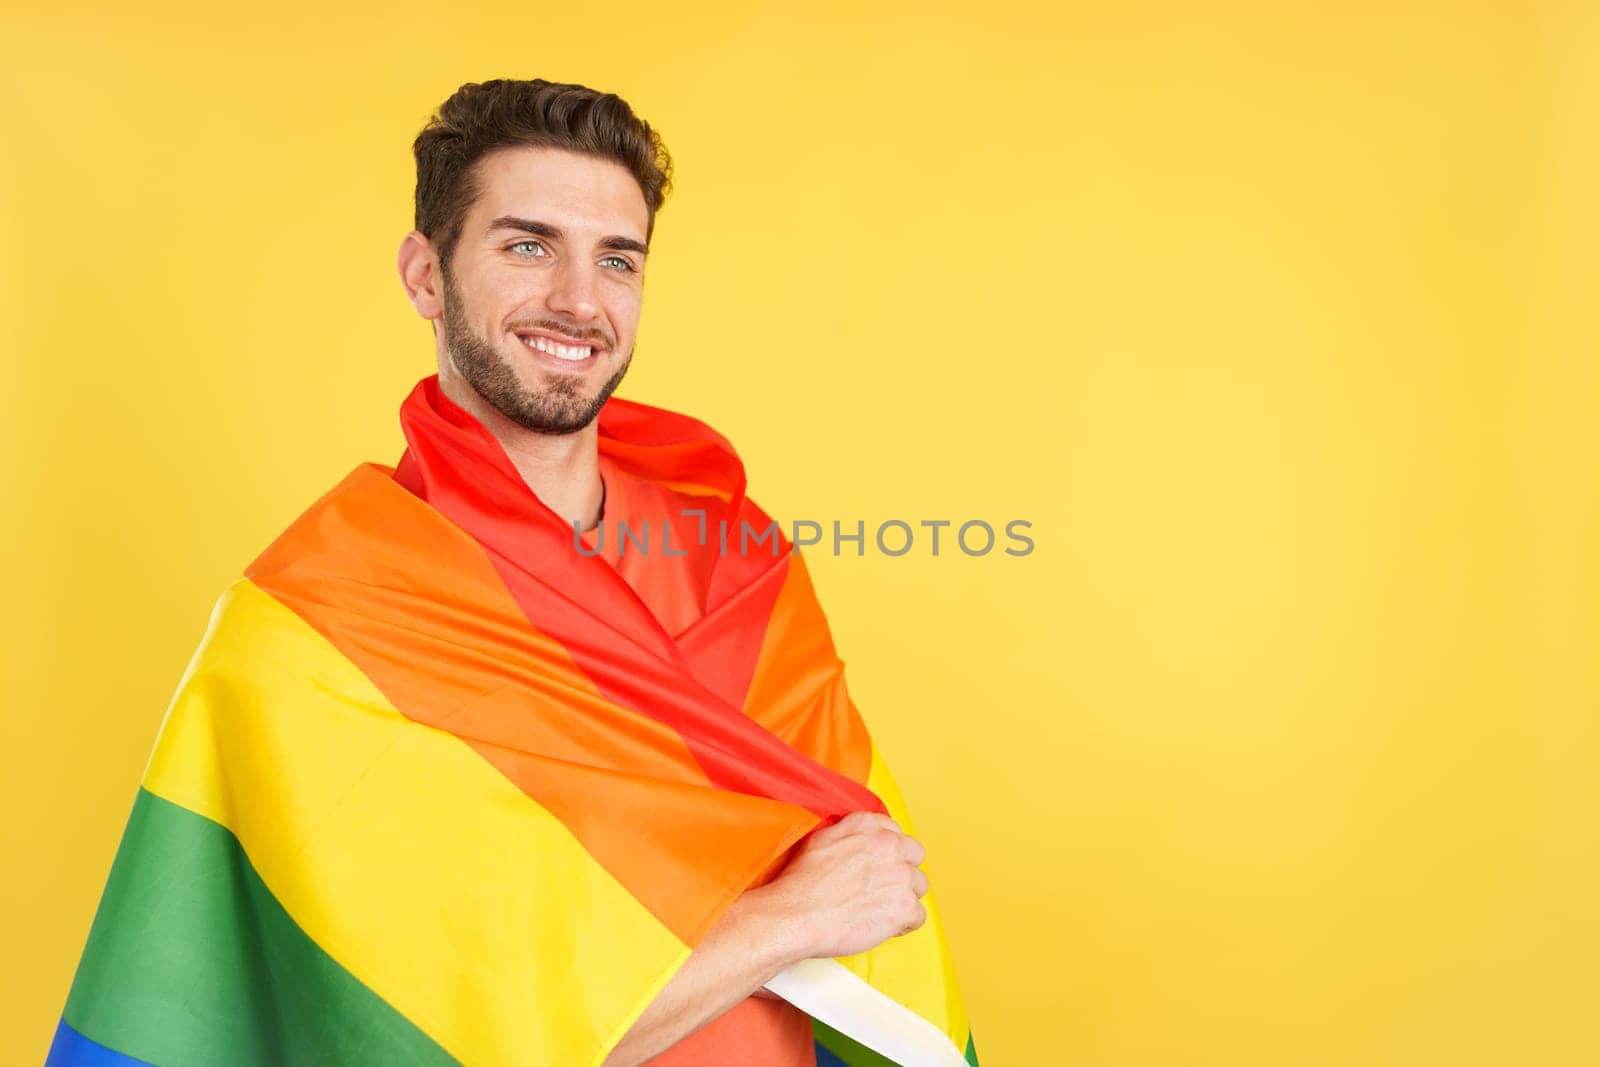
<point>624,265</point>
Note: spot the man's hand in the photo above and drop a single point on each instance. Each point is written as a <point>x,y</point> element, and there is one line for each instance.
<point>848,888</point>
<point>852,886</point>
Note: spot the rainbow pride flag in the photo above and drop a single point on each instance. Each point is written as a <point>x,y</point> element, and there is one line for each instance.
<point>436,788</point>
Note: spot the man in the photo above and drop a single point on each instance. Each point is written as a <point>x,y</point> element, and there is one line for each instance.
<point>686,762</point>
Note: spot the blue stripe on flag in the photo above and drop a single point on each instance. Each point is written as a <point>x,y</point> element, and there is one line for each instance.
<point>72,1049</point>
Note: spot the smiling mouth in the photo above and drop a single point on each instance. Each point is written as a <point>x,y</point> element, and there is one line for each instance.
<point>559,354</point>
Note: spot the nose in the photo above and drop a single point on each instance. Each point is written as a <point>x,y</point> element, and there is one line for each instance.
<point>574,291</point>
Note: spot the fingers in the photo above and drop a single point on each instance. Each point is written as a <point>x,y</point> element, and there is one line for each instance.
<point>866,821</point>
<point>912,850</point>
<point>922,917</point>
<point>919,883</point>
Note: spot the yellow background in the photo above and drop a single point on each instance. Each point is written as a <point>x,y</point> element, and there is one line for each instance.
<point>1276,321</point>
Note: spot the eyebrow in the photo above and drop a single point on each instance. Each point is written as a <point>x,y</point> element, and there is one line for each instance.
<point>555,233</point>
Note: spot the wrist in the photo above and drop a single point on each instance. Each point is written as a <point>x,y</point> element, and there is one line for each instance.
<point>776,930</point>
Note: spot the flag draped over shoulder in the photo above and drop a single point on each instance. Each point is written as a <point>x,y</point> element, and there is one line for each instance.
<point>438,788</point>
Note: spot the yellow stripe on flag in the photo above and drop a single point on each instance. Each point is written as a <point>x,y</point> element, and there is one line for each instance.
<point>914,969</point>
<point>403,853</point>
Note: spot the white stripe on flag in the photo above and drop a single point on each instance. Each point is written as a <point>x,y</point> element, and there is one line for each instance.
<point>830,991</point>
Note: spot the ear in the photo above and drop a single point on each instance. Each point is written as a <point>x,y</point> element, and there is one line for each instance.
<point>419,272</point>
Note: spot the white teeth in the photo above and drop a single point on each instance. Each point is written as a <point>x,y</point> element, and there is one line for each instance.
<point>572,352</point>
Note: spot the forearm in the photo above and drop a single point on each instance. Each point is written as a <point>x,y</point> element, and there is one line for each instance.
<point>749,944</point>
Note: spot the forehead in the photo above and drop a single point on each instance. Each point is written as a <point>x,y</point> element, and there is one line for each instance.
<point>578,192</point>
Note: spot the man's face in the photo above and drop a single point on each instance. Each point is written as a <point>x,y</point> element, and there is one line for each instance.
<point>551,253</point>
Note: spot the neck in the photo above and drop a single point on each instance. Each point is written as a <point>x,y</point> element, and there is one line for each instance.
<point>563,470</point>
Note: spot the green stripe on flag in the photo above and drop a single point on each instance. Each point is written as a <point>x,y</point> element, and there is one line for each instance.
<point>192,960</point>
<point>852,1053</point>
<point>849,1051</point>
